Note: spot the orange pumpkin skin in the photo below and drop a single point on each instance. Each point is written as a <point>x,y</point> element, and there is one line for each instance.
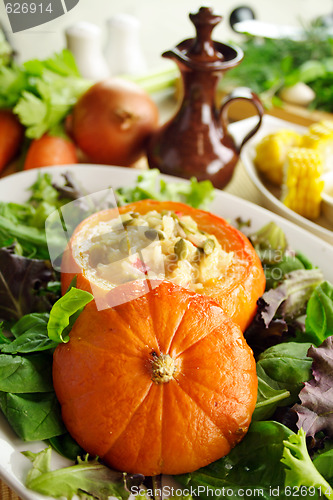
<point>113,408</point>
<point>237,291</point>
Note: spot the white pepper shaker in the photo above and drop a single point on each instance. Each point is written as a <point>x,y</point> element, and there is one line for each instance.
<point>84,41</point>
<point>123,50</point>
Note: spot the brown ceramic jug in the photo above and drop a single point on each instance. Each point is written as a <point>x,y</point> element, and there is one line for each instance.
<point>196,142</point>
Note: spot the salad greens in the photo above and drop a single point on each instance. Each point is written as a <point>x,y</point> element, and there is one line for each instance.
<point>150,185</point>
<point>253,465</point>
<point>291,337</point>
<point>300,470</point>
<point>315,413</point>
<point>86,478</point>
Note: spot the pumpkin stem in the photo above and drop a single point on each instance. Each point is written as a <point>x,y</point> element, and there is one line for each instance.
<point>163,367</point>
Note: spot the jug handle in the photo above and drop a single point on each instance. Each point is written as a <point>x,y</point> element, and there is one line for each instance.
<point>239,94</point>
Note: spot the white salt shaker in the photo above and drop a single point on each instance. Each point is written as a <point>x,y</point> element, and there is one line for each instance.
<point>123,51</point>
<point>84,41</point>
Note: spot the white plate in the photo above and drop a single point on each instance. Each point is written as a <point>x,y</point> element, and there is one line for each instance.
<point>269,194</point>
<point>13,465</point>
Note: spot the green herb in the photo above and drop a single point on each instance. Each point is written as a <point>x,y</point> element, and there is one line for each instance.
<point>149,185</point>
<point>284,62</point>
<point>319,314</point>
<point>42,93</point>
<point>65,312</point>
<point>24,224</point>
<point>86,478</point>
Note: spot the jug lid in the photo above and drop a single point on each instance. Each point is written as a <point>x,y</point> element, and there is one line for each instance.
<point>202,52</point>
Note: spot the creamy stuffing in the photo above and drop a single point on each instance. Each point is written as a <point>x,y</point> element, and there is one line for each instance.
<point>164,245</point>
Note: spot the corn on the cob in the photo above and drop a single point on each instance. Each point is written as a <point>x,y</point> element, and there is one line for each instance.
<point>271,153</point>
<point>303,184</point>
<point>320,137</point>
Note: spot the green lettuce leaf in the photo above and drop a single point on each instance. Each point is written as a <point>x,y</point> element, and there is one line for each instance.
<point>300,470</point>
<point>86,478</point>
<point>150,186</point>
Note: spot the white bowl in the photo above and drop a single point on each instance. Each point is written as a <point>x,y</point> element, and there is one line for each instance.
<point>327,196</point>
<point>322,227</point>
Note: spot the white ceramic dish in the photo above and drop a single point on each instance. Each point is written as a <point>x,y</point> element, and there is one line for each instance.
<point>328,196</point>
<point>269,194</point>
<point>13,465</point>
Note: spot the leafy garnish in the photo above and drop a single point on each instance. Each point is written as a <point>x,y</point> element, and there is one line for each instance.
<point>23,285</point>
<point>300,470</point>
<point>289,300</point>
<point>33,416</point>
<point>24,224</point>
<point>148,185</point>
<point>281,370</point>
<point>284,62</point>
<point>316,411</point>
<point>324,463</point>
<point>42,93</point>
<point>279,307</point>
<point>319,314</point>
<point>21,375</point>
<point>85,478</point>
<point>270,243</point>
<point>65,312</point>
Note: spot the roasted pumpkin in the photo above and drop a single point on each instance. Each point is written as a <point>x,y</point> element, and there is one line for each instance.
<point>224,264</point>
<point>162,384</point>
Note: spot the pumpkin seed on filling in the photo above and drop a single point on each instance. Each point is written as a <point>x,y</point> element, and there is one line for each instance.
<point>189,255</point>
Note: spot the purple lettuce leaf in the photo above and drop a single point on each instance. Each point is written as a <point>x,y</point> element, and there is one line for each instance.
<point>315,413</point>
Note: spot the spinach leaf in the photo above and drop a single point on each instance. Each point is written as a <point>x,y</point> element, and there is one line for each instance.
<point>66,446</point>
<point>319,314</point>
<point>20,374</point>
<point>282,370</point>
<point>33,340</point>
<point>28,322</point>
<point>288,366</point>
<point>268,399</point>
<point>254,464</point>
<point>65,312</point>
<point>22,282</point>
<point>86,478</point>
<point>324,464</point>
<point>32,416</point>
